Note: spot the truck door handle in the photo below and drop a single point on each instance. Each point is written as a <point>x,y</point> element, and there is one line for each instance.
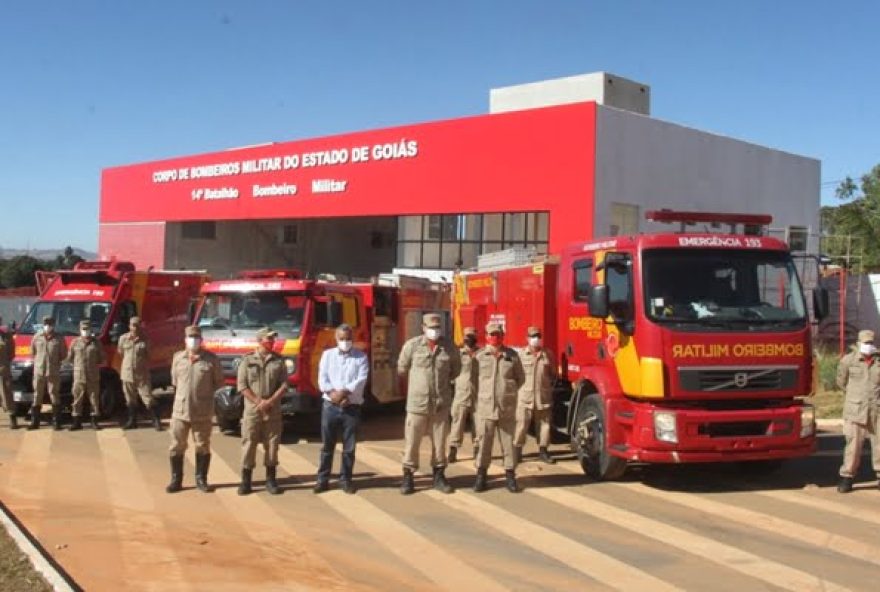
<point>569,350</point>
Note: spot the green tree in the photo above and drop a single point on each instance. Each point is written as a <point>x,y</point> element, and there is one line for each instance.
<point>858,218</point>
<point>19,271</point>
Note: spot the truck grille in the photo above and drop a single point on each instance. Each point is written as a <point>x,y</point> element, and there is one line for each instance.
<point>734,429</point>
<point>229,364</point>
<point>749,379</point>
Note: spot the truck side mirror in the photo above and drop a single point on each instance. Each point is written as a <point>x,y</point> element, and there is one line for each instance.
<point>597,301</point>
<point>820,303</point>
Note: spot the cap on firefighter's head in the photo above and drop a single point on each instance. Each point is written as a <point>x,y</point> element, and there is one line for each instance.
<point>431,320</point>
<point>494,328</point>
<point>469,332</point>
<point>48,321</point>
<point>85,325</point>
<point>193,331</point>
<point>533,331</point>
<point>866,336</point>
<point>266,333</point>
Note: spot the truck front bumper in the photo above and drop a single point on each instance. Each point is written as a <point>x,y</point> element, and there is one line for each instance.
<point>229,404</point>
<point>702,435</point>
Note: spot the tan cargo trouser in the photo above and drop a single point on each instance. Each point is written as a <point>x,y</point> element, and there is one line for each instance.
<point>43,384</point>
<point>80,390</point>
<point>254,431</point>
<point>6,398</point>
<point>855,435</point>
<point>434,425</point>
<point>201,434</point>
<point>139,388</point>
<point>524,418</point>
<point>460,415</point>
<point>486,429</point>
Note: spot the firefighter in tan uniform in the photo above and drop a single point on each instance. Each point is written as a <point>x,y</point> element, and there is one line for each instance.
<point>262,380</point>
<point>195,375</point>
<point>535,399</point>
<point>86,354</point>
<point>859,375</point>
<point>135,371</point>
<point>500,377</point>
<point>48,350</point>
<point>465,394</point>
<point>430,363</point>
<point>7,353</point>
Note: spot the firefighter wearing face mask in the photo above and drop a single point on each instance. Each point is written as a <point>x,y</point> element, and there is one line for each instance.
<point>858,374</point>
<point>48,350</point>
<point>465,394</point>
<point>430,362</point>
<point>535,399</point>
<point>86,355</point>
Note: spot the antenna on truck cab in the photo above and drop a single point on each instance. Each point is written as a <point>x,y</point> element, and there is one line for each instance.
<point>753,224</point>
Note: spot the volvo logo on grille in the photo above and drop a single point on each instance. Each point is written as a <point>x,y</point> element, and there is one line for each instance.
<point>741,379</point>
<point>236,363</point>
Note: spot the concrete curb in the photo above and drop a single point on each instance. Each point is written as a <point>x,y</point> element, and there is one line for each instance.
<point>39,558</point>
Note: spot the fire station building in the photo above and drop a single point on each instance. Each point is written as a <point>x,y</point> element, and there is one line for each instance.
<point>553,162</point>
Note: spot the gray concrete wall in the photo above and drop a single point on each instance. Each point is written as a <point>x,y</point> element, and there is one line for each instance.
<point>15,308</point>
<point>357,246</point>
<point>655,164</point>
<point>601,87</point>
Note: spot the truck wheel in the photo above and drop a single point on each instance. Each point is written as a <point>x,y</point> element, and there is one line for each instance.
<point>229,427</point>
<point>22,409</point>
<point>110,398</point>
<point>588,440</point>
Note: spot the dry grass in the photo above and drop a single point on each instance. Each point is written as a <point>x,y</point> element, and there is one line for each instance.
<point>16,572</point>
<point>828,403</point>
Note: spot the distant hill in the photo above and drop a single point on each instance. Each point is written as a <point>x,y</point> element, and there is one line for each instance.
<point>45,254</point>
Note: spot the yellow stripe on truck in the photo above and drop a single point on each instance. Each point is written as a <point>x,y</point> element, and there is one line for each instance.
<point>291,347</point>
<point>652,378</point>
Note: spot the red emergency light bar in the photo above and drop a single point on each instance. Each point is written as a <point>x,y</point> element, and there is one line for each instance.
<point>265,274</point>
<point>708,217</point>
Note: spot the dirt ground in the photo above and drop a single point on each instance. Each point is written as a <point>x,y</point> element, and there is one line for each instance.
<point>16,572</point>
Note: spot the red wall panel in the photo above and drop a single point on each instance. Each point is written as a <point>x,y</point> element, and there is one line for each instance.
<point>142,244</point>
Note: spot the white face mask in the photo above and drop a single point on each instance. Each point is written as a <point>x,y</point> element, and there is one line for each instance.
<point>432,334</point>
<point>193,343</point>
<point>535,341</point>
<point>84,332</point>
<point>344,345</point>
<point>47,329</point>
<point>867,349</point>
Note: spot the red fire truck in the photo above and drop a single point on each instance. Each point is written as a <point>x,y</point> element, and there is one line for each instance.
<point>673,347</point>
<point>108,293</point>
<point>383,313</point>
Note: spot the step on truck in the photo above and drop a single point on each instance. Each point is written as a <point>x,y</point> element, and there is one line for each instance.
<point>305,312</point>
<point>674,347</point>
<point>107,293</point>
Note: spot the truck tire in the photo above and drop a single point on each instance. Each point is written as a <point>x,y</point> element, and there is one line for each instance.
<point>22,409</point>
<point>229,427</point>
<point>111,397</point>
<point>588,440</point>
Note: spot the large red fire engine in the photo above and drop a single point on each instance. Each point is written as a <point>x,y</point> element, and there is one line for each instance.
<point>305,312</point>
<point>108,293</point>
<point>673,347</point>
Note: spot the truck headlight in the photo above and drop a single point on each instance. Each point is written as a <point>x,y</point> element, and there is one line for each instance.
<point>665,426</point>
<point>808,421</point>
<point>290,365</point>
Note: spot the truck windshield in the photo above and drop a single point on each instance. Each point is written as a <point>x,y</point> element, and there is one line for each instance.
<point>67,316</point>
<point>232,312</point>
<point>721,288</point>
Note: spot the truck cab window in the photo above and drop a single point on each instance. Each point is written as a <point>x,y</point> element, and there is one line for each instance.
<point>582,271</point>
<point>618,277</point>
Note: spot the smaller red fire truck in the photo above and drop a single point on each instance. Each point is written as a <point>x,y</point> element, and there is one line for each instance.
<point>108,293</point>
<point>305,312</point>
<point>673,347</point>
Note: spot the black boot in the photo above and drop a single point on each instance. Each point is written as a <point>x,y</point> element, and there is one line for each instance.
<point>545,456</point>
<point>845,485</point>
<point>176,474</point>
<point>131,422</point>
<point>157,419</point>
<point>35,419</point>
<point>440,482</point>
<point>407,487</point>
<point>480,483</point>
<point>13,421</point>
<point>94,421</point>
<point>271,481</point>
<point>203,462</point>
<point>453,455</point>
<point>76,424</point>
<point>244,487</point>
<point>510,478</point>
<point>56,417</point>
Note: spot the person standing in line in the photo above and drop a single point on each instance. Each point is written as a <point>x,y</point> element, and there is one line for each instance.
<point>86,354</point>
<point>262,380</point>
<point>48,350</point>
<point>7,353</point>
<point>500,377</point>
<point>465,395</point>
<point>535,398</point>
<point>135,351</point>
<point>195,375</point>
<point>342,378</point>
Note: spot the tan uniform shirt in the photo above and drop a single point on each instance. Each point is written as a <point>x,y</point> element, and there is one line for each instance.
<point>431,372</point>
<point>501,375</point>
<point>861,381</point>
<point>195,381</point>
<point>263,376</point>
<point>7,352</point>
<point>87,355</point>
<point>540,371</point>
<point>135,354</point>
<point>48,355</point>
<point>466,382</point>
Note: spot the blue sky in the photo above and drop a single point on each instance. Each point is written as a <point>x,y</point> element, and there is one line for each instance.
<point>88,84</point>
